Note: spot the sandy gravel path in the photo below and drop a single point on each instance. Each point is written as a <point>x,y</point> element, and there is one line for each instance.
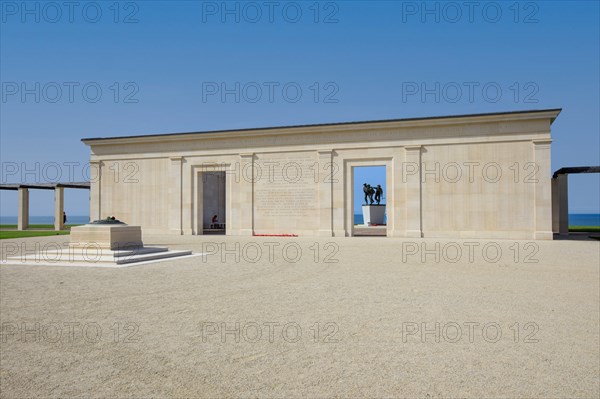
<point>342,318</point>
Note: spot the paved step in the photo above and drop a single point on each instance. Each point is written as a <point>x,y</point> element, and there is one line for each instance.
<point>106,258</point>
<point>152,256</point>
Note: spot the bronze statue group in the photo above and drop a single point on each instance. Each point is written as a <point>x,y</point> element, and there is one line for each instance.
<point>370,192</point>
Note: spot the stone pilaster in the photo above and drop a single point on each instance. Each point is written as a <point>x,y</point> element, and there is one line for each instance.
<point>246,194</point>
<point>325,193</point>
<point>411,175</point>
<point>175,196</point>
<point>395,196</point>
<point>543,190</point>
<point>187,198</point>
<point>338,200</point>
<point>96,190</point>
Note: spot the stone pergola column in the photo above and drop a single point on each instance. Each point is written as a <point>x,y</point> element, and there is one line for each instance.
<point>325,193</point>
<point>23,215</point>
<point>543,190</point>
<point>412,180</point>
<point>555,205</point>
<point>95,190</point>
<point>562,183</point>
<point>59,207</point>
<point>246,194</point>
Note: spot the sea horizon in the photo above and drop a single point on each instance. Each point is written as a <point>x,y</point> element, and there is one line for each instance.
<point>75,219</point>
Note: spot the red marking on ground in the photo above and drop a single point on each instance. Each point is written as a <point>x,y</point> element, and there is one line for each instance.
<point>275,235</point>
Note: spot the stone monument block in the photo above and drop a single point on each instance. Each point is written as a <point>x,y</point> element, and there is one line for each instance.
<point>106,236</point>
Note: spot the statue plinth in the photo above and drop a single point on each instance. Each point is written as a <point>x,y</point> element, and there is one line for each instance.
<point>373,214</point>
<point>112,236</point>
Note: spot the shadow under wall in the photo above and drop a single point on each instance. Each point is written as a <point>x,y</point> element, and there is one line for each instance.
<point>577,236</point>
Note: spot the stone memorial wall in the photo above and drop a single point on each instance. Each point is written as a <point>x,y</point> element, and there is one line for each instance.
<point>469,176</point>
<point>285,193</point>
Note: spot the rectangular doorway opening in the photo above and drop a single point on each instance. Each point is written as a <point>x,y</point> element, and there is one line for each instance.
<point>214,203</point>
<point>369,204</point>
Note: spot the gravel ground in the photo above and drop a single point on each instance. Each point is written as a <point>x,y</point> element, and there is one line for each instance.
<point>347,317</point>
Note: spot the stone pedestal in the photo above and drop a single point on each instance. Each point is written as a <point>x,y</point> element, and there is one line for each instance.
<point>106,236</point>
<point>373,214</point>
<point>102,245</point>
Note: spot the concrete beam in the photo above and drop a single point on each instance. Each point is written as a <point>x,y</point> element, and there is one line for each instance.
<point>23,215</point>
<point>59,208</point>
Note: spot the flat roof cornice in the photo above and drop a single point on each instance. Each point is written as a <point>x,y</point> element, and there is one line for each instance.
<point>332,127</point>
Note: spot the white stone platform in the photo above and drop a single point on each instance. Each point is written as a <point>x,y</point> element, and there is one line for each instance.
<point>101,245</point>
<point>94,257</point>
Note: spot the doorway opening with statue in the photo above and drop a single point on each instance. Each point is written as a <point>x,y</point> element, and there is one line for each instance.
<point>369,188</point>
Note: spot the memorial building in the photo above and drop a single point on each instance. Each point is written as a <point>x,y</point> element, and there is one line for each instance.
<point>463,176</point>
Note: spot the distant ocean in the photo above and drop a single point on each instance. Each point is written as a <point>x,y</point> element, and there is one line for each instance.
<point>575,219</point>
<point>45,219</point>
<point>584,219</point>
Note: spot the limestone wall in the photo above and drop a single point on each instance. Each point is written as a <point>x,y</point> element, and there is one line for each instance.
<point>135,191</point>
<point>469,189</point>
<point>480,176</point>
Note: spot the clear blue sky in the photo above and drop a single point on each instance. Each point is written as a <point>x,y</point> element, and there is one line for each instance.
<point>363,55</point>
